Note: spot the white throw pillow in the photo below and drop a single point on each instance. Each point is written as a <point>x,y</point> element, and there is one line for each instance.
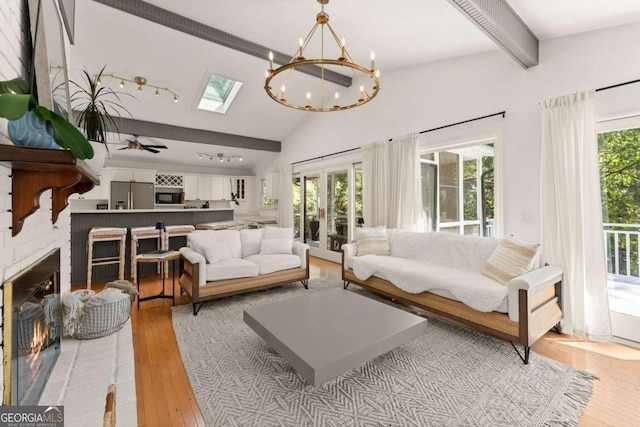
<point>199,239</point>
<point>372,240</point>
<point>276,246</point>
<point>251,239</point>
<point>278,233</point>
<point>510,259</point>
<point>216,251</point>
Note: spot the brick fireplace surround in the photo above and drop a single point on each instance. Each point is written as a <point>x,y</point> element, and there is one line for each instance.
<point>83,366</point>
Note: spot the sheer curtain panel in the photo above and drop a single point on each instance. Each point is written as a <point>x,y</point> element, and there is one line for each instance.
<point>571,212</point>
<point>391,184</point>
<point>285,198</point>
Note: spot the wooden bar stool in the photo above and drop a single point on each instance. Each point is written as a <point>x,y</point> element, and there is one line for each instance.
<point>106,234</point>
<point>137,234</point>
<point>174,231</point>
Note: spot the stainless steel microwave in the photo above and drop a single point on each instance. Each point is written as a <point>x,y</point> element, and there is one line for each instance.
<point>167,198</point>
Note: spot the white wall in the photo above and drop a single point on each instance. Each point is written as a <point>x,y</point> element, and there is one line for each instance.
<point>38,235</point>
<point>444,92</point>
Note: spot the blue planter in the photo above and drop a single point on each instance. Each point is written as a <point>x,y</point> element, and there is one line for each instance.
<point>30,131</point>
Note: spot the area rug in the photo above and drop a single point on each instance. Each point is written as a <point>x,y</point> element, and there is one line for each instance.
<point>450,376</point>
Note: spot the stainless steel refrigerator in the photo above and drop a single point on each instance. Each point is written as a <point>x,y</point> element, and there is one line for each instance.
<point>132,195</point>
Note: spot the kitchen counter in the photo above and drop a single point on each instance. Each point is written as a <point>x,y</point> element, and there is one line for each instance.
<point>134,211</point>
<point>83,220</point>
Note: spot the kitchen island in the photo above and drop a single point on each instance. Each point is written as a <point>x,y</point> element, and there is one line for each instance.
<point>83,220</point>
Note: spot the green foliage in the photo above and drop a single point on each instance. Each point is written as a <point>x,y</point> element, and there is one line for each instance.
<point>98,107</point>
<point>16,100</point>
<point>620,175</point>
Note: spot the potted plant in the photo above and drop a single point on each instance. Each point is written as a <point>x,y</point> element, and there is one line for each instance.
<point>16,100</point>
<point>96,107</point>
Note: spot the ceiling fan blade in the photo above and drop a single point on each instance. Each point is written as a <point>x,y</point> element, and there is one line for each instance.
<point>124,148</point>
<point>150,149</point>
<point>155,146</point>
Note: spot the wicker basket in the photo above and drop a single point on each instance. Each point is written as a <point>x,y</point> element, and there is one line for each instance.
<point>102,314</point>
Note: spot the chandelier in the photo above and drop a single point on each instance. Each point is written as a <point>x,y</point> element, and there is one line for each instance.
<point>141,82</point>
<point>314,100</point>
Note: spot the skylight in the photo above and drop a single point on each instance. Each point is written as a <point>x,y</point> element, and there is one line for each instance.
<point>219,94</point>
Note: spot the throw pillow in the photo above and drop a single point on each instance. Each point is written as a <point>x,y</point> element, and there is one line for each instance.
<point>372,241</point>
<point>250,239</point>
<point>276,246</point>
<point>510,259</point>
<point>197,240</point>
<point>216,251</point>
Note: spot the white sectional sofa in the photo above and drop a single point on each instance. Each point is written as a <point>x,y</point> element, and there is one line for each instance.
<point>220,263</point>
<point>473,280</point>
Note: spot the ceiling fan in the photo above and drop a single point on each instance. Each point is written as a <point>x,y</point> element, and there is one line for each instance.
<point>134,144</point>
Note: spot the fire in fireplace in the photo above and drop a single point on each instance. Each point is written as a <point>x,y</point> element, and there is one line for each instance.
<point>32,329</point>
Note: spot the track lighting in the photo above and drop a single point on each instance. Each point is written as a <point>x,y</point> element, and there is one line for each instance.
<point>220,156</point>
<point>140,81</point>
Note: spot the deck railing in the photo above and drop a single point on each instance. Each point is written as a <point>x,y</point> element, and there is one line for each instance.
<point>622,248</point>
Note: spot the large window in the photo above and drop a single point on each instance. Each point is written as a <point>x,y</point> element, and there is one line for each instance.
<point>458,190</point>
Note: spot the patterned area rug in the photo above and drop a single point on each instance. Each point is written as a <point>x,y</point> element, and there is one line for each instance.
<point>449,376</point>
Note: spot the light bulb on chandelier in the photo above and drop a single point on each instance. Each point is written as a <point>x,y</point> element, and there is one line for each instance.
<point>367,78</point>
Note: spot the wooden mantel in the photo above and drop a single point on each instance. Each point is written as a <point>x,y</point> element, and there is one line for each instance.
<point>35,170</point>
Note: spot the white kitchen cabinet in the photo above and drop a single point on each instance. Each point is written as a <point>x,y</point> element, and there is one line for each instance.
<point>221,187</point>
<point>271,185</point>
<point>204,187</point>
<point>239,188</point>
<point>138,175</point>
<point>101,191</point>
<point>191,187</point>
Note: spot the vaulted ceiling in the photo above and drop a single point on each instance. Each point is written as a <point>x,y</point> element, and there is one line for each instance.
<point>402,34</point>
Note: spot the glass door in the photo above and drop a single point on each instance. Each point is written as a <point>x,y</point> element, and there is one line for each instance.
<point>619,164</point>
<point>326,210</point>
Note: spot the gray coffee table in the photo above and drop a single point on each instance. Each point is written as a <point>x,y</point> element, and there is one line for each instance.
<point>326,333</point>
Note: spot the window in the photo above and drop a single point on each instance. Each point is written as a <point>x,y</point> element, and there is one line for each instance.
<point>266,203</point>
<point>296,207</point>
<point>219,94</point>
<point>458,190</point>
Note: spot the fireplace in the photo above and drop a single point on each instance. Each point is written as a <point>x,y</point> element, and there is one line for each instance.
<point>32,329</point>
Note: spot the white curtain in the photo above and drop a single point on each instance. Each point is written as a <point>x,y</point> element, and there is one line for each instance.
<point>285,196</point>
<point>571,212</point>
<point>391,184</point>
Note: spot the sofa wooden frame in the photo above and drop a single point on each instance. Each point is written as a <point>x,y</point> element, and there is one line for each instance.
<point>190,277</point>
<point>538,312</point>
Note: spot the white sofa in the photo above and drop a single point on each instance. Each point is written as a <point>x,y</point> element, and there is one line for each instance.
<point>216,264</point>
<point>450,275</point>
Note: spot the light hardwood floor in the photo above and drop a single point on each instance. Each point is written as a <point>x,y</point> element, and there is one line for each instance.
<point>165,397</point>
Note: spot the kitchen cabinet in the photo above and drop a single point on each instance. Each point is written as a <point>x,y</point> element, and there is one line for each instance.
<point>242,187</point>
<point>197,187</point>
<point>169,180</point>
<point>271,182</point>
<point>191,187</point>
<point>138,175</point>
<point>221,187</point>
<point>99,192</point>
<point>204,187</point>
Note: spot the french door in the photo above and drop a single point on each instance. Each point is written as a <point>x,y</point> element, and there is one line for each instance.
<point>619,163</point>
<point>327,214</point>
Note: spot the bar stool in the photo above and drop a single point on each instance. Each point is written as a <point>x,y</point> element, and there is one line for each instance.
<point>137,234</point>
<point>174,231</point>
<point>106,234</point>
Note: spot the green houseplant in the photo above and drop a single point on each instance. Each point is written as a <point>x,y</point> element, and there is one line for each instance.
<point>16,100</point>
<point>96,107</point>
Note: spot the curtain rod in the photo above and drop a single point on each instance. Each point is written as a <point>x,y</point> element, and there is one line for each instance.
<point>501,113</point>
<point>326,155</point>
<point>617,85</point>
